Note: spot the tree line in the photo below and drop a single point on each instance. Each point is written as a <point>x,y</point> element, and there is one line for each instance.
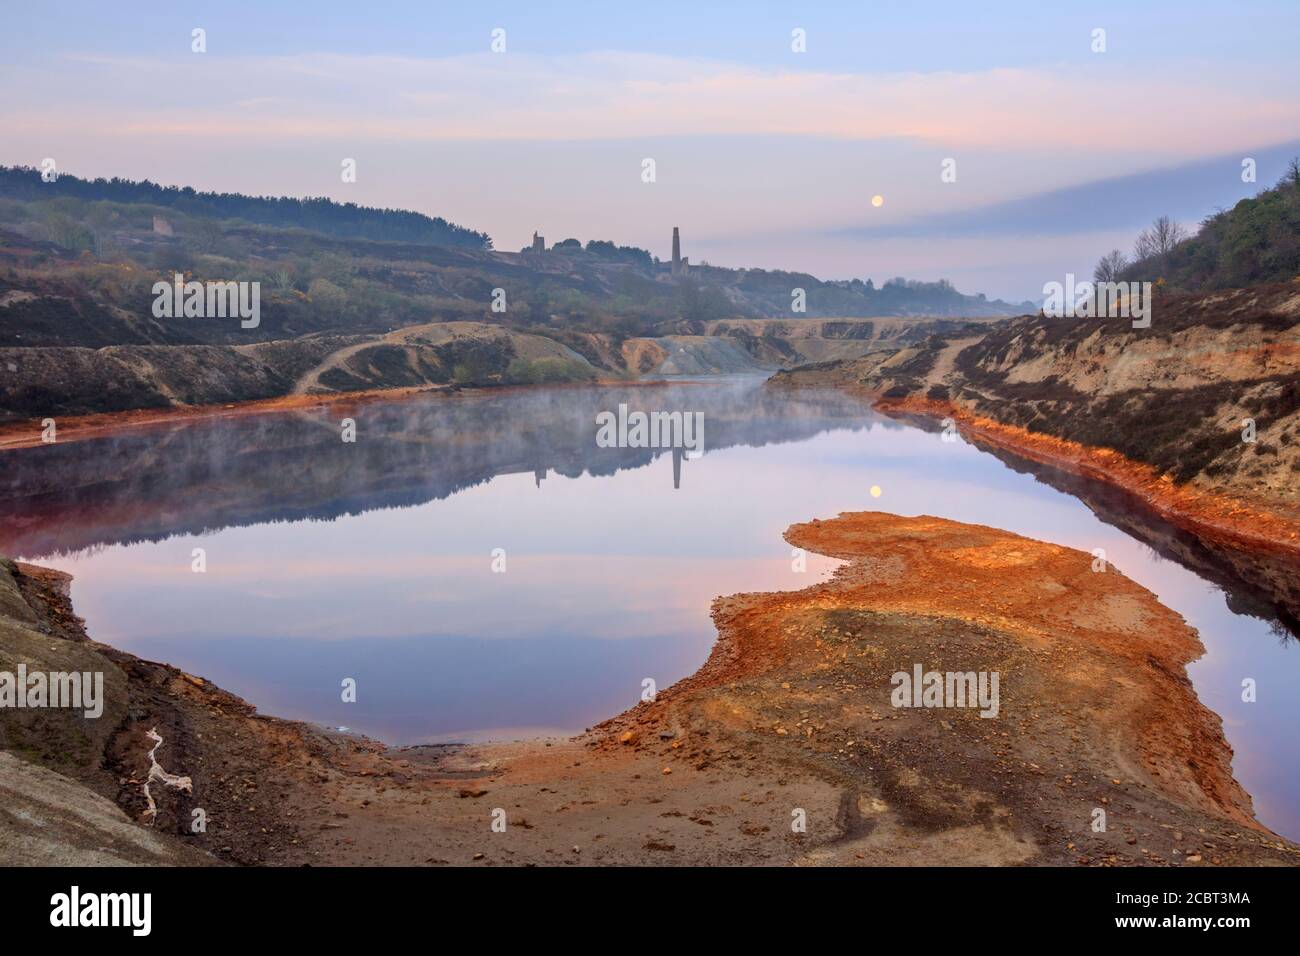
<point>315,213</point>
<point>1255,242</point>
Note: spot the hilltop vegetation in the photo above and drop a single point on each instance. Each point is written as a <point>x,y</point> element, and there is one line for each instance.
<point>314,213</point>
<point>1255,242</point>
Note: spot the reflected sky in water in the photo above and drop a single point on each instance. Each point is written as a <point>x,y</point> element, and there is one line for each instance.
<point>374,561</point>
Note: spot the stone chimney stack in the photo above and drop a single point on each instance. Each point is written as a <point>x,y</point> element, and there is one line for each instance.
<point>677,252</point>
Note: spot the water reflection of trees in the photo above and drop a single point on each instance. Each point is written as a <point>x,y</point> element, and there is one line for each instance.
<point>205,475</point>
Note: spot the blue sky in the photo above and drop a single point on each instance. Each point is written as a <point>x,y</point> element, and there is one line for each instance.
<point>882,36</point>
<point>764,157</point>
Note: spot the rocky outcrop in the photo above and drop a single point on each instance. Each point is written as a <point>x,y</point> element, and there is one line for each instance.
<point>1174,396</point>
<point>51,382</point>
<point>47,819</point>
<point>72,785</point>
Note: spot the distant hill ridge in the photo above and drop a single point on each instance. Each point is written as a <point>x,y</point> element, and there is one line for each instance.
<point>315,213</point>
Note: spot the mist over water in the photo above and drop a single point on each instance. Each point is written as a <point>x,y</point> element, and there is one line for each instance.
<point>373,560</point>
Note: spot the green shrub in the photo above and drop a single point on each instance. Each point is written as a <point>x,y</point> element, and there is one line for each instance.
<point>548,371</point>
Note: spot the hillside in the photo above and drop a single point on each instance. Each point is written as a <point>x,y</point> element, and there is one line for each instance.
<point>1255,242</point>
<point>314,213</point>
<point>1172,396</point>
<point>1196,418</point>
<point>114,252</point>
<point>353,298</point>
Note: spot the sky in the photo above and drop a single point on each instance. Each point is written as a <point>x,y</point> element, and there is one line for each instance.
<point>763,156</point>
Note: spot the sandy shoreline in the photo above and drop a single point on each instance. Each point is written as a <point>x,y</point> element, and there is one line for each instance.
<point>790,721</point>
<point>16,435</point>
<point>1230,521</point>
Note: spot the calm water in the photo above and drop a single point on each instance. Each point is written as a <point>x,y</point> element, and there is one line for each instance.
<point>373,560</point>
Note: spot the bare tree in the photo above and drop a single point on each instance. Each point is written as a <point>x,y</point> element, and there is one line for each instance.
<point>1159,240</point>
<point>1144,246</point>
<point>1168,234</point>
<point>1110,266</point>
<point>1293,172</point>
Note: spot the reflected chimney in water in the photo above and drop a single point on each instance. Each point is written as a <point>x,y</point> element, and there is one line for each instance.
<point>538,475</point>
<point>677,468</point>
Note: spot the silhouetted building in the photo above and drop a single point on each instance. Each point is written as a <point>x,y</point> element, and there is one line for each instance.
<point>539,243</point>
<point>680,265</point>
